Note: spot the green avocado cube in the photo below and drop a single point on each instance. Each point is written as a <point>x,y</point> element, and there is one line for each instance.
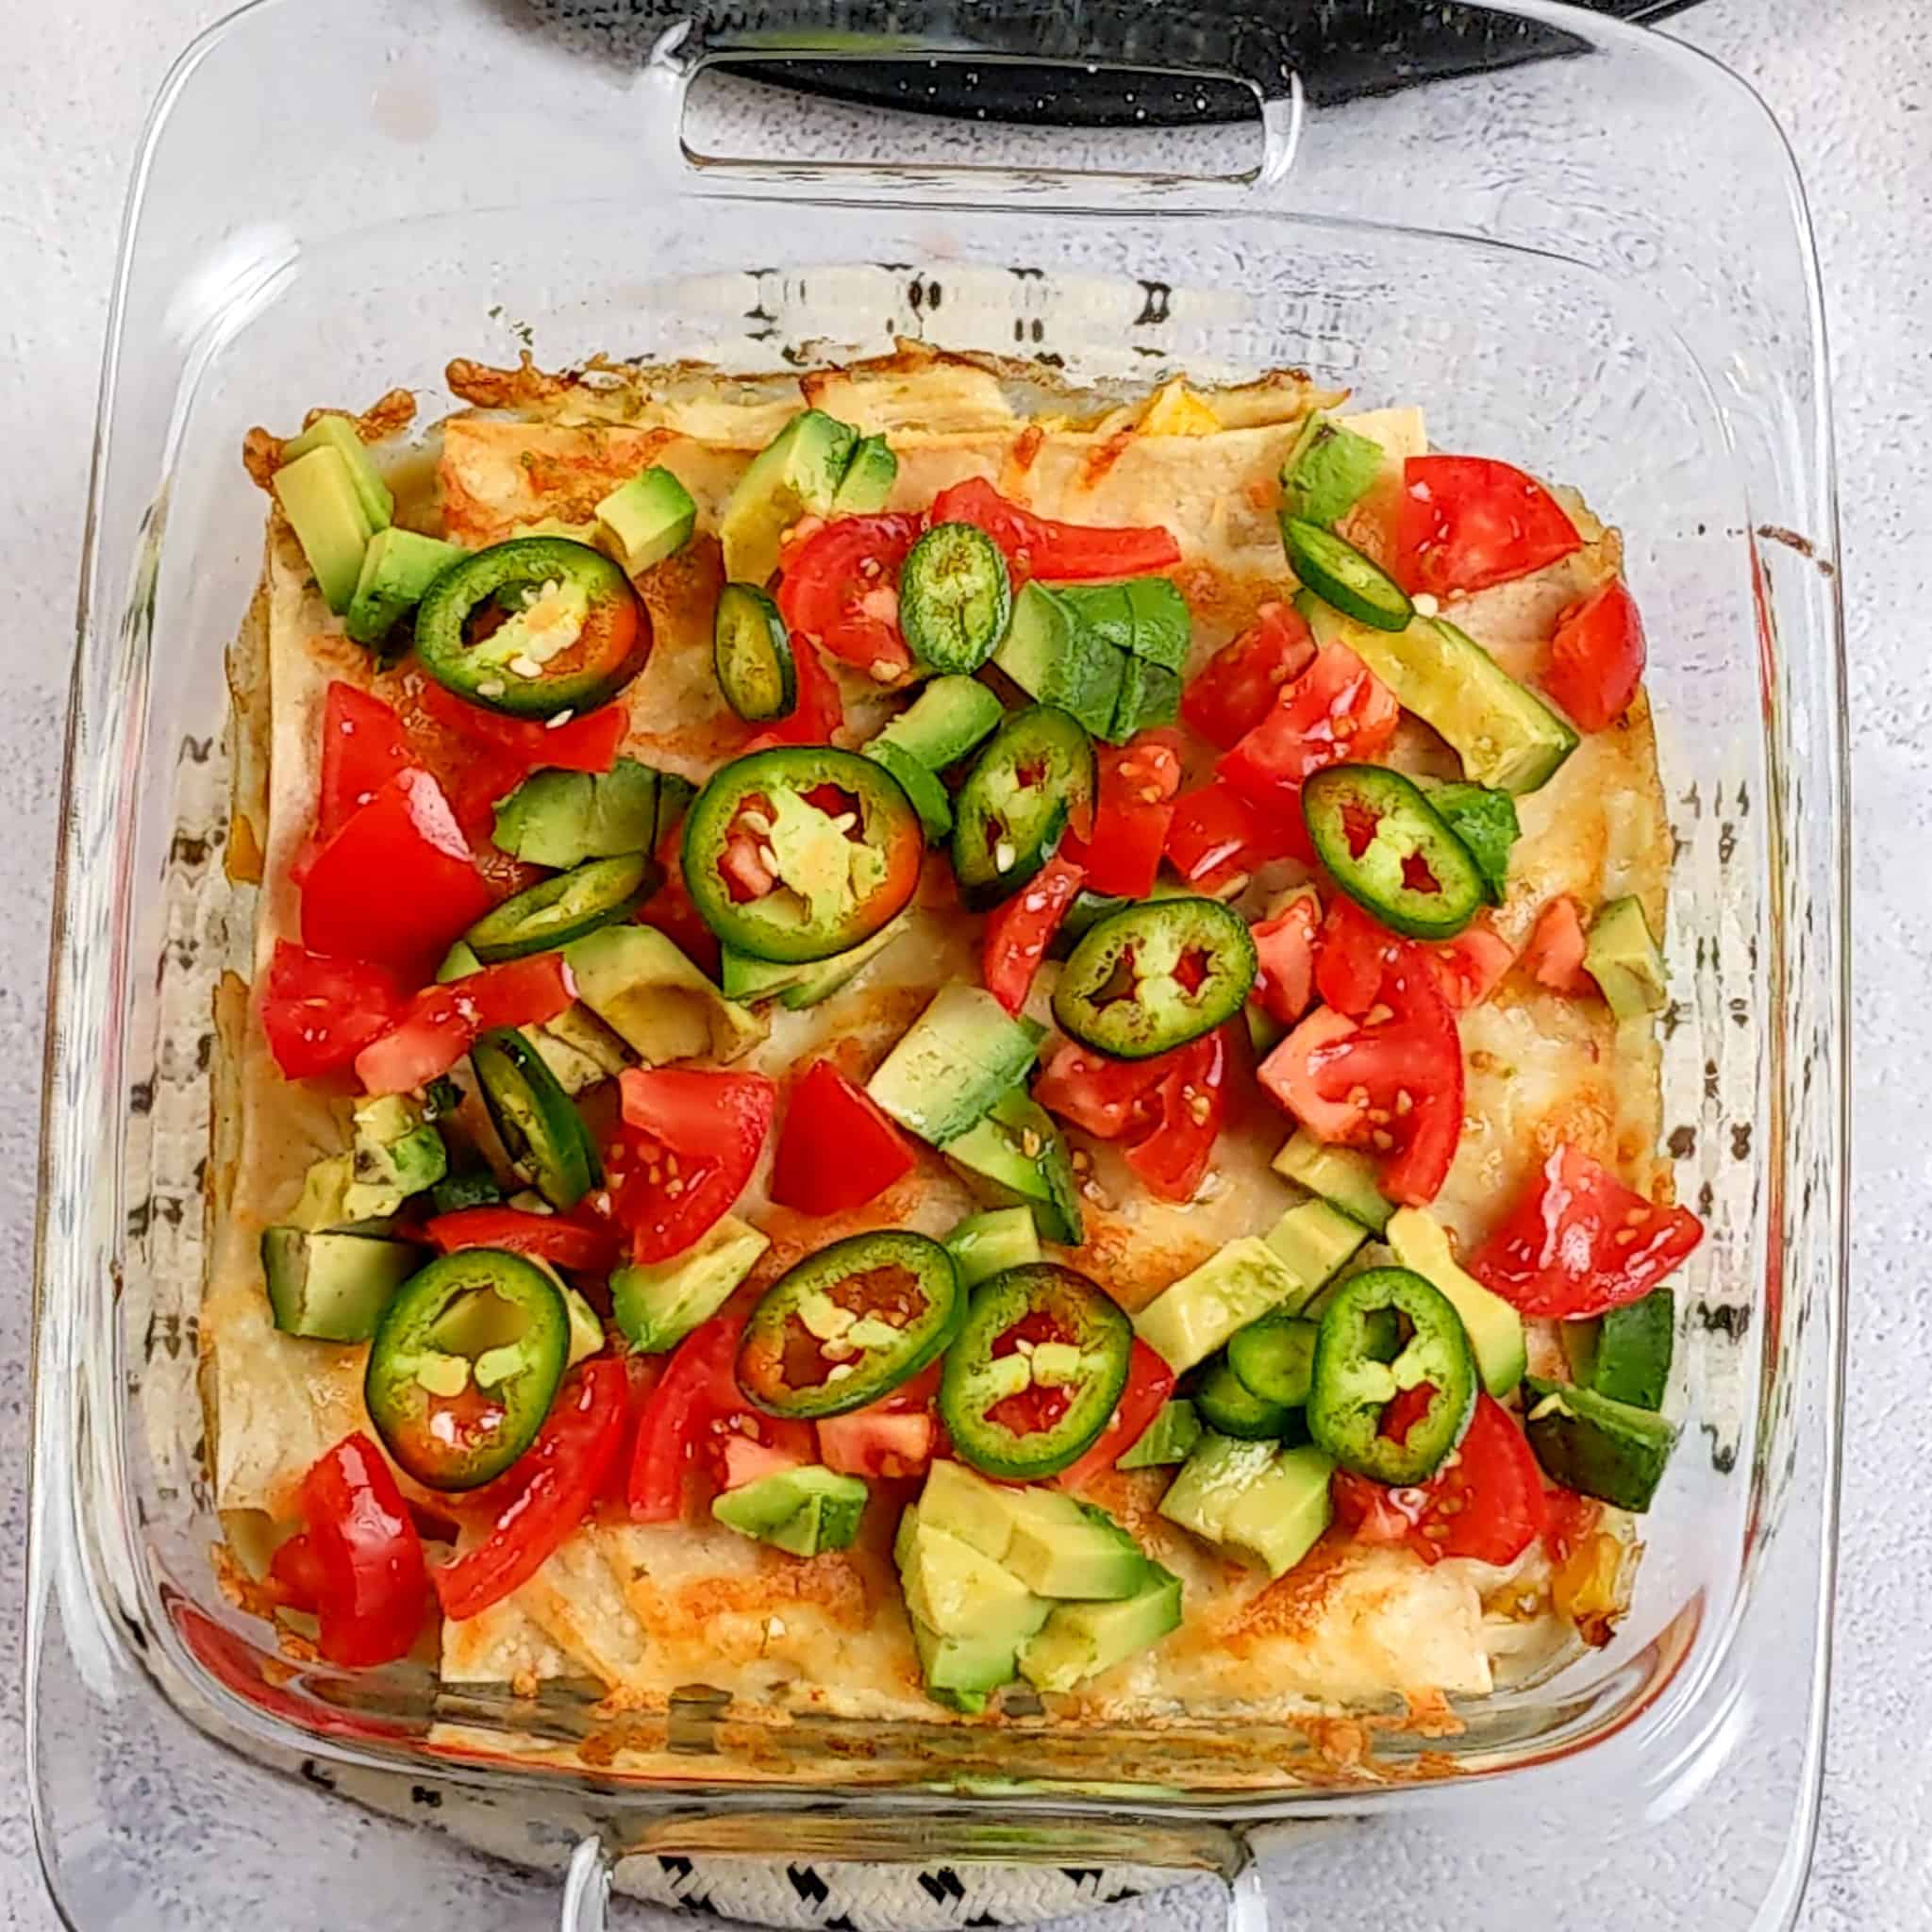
<point>1327,472</point>
<point>317,494</point>
<point>801,1511</point>
<point>333,1287</point>
<point>657,1304</point>
<point>961,1054</point>
<point>338,433</point>
<point>798,472</point>
<point>397,568</point>
<point>987,1244</point>
<point>963,1672</point>
<point>1169,1438</point>
<point>646,519</point>
<point>944,722</point>
<point>1625,963</point>
<point>1599,1447</point>
<point>868,480</point>
<point>1017,1150</point>
<point>1080,1640</point>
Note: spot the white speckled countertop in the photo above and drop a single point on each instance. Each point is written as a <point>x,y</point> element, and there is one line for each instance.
<point>1852,84</point>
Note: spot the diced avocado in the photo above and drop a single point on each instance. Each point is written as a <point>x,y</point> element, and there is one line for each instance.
<point>657,1304</point>
<point>585,1330</point>
<point>990,1243</point>
<point>333,1287</point>
<point>1578,1342</point>
<point>868,479</point>
<point>340,434</point>
<point>1506,736</point>
<point>796,987</point>
<point>1634,1346</point>
<point>1343,1177</point>
<point>324,1193</point>
<point>944,722</point>
<point>642,986</point>
<point>457,963</point>
<point>1486,822</point>
<point>1313,1239</point>
<point>1494,1328</point>
<point>317,494</point>
<point>930,799</point>
<point>578,1048</point>
<point>952,1063</point>
<point>1085,1554</point>
<point>397,1153</point>
<point>646,519</point>
<point>1150,696</point>
<point>798,472</point>
<point>1279,1517</point>
<point>1597,1446</point>
<point>1327,472</point>
<point>397,568</point>
<point>983,1513</point>
<point>1623,960</point>
<point>1265,1032</point>
<point>1212,1481</point>
<point>963,1672</point>
<point>1018,1150</point>
<point>798,1511</point>
<point>953,1590</point>
<point>1081,1640</point>
<point>468,1187</point>
<point>1057,659</point>
<point>1169,1438</point>
<point>1143,617</point>
<point>1193,1317</point>
<point>562,818</point>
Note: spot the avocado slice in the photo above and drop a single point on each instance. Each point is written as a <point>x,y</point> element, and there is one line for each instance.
<point>963,1672</point>
<point>1631,1361</point>
<point>867,484</point>
<point>1327,472</point>
<point>395,1154</point>
<point>1080,1640</point>
<point>1280,1516</point>
<point>964,1504</point>
<point>579,1049</point>
<point>798,472</point>
<point>1019,1151</point>
<point>987,1244</point>
<point>563,818</point>
<point>333,1287</point>
<point>1050,654</point>
<point>657,1304</point>
<point>800,1511</point>
<point>1170,1437</point>
<point>1597,1446</point>
<point>956,1590</point>
<point>1211,1481</point>
<point>1494,1328</point>
<point>1314,1239</point>
<point>317,494</point>
<point>646,519</point>
<point>1625,961</point>
<point>1507,737</point>
<point>338,433</point>
<point>796,987</point>
<point>397,567</point>
<point>1343,1177</point>
<point>1193,1317</point>
<point>647,992</point>
<point>1082,1554</point>
<point>930,799</point>
<point>324,1194</point>
<point>943,723</point>
<point>1150,696</point>
<point>952,1063</point>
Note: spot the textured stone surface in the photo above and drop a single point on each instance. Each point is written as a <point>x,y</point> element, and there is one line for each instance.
<point>1851,85</point>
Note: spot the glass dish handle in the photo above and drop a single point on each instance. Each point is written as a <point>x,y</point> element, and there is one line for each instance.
<point>587,1888</point>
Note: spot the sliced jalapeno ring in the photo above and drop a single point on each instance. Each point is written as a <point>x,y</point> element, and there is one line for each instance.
<point>533,628</point>
<point>751,652</point>
<point>1343,578</point>
<point>464,1365</point>
<point>1275,1357</point>
<point>1149,979</point>
<point>1385,1332</point>
<point>801,852</point>
<point>1035,778</point>
<point>541,1130</point>
<point>1389,850</point>
<point>1228,1406</point>
<point>556,911</point>
<point>849,1323</point>
<point>955,597</point>
<point>1035,1373</point>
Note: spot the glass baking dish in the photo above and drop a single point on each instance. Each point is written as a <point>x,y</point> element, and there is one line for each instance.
<point>1597,263</point>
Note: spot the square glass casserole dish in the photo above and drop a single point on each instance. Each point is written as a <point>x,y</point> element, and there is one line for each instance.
<point>1597,263</point>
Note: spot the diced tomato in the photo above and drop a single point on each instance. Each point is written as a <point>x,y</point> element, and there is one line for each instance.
<point>1353,955</point>
<point>1150,1382</point>
<point>819,711</point>
<point>670,911</point>
<point>1469,521</point>
<point>442,1022</point>
<point>557,1238</point>
<point>1471,966</point>
<point>1597,658</point>
<point>556,1480</point>
<point>1338,710</point>
<point>320,1013</point>
<point>589,744</point>
<point>877,1441</point>
<point>1190,1104</point>
<point>692,1414</point>
<point>1244,680</point>
<point>1285,952</point>
<point>1391,1085</point>
<point>359,1560</point>
<point>362,749</point>
<point>396,884</point>
<point>1101,1095</point>
<point>1567,1518</point>
<point>746,1460</point>
<point>839,1148</point>
<point>691,1142</point>
<point>1579,1243</point>
<point>1040,547</point>
<point>1554,956</point>
<point>1130,822</point>
<point>1217,839</point>
<point>1020,930</point>
<point>839,589</point>
<point>1487,1502</point>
